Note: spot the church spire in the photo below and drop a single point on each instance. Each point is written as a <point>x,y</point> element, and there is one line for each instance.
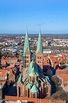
<point>26,43</point>
<point>39,44</point>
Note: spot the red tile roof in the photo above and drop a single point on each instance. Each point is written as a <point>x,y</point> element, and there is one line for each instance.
<point>46,61</point>
<point>3,73</point>
<point>59,71</point>
<point>33,100</point>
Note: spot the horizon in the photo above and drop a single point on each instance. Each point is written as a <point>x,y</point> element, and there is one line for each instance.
<point>50,16</point>
<point>32,35</point>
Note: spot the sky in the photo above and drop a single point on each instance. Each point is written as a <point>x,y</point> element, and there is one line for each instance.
<point>17,16</point>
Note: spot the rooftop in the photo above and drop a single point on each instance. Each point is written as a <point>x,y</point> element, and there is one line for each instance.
<point>31,100</point>
<point>3,73</point>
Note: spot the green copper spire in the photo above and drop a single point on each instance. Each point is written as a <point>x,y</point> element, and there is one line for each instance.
<point>33,69</point>
<point>28,86</point>
<point>19,79</point>
<point>34,89</point>
<point>39,44</point>
<point>26,43</point>
<point>0,86</point>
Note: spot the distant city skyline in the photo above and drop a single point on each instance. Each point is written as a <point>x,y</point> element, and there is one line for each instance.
<point>49,15</point>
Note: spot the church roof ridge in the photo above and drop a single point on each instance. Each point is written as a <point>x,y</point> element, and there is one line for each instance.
<point>33,69</point>
<point>34,89</point>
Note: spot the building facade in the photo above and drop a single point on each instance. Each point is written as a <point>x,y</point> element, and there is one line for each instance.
<point>26,54</point>
<point>31,82</point>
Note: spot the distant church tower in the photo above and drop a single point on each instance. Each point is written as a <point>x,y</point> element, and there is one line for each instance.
<point>26,54</point>
<point>39,52</point>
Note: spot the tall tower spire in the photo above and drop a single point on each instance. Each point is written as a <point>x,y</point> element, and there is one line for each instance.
<point>26,43</point>
<point>39,52</point>
<point>26,53</point>
<point>39,44</point>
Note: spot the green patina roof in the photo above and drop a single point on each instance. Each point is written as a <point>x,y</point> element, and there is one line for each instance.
<point>28,86</point>
<point>33,69</point>
<point>37,84</point>
<point>26,81</point>
<point>0,86</point>
<point>40,87</point>
<point>24,55</point>
<point>39,44</point>
<point>33,74</point>
<point>47,79</point>
<point>19,79</point>
<point>34,89</point>
<point>26,43</point>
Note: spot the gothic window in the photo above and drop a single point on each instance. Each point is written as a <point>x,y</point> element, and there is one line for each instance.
<point>38,62</point>
<point>40,57</point>
<point>27,61</point>
<point>27,56</point>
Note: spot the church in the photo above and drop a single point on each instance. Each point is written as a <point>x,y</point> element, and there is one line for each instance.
<point>32,83</point>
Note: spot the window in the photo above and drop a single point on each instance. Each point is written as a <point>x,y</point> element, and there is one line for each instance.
<point>27,61</point>
<point>40,57</point>
<point>27,56</point>
<point>38,61</point>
